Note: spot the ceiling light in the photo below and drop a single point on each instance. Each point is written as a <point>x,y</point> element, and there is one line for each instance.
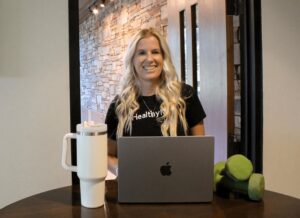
<point>94,9</point>
<point>102,4</point>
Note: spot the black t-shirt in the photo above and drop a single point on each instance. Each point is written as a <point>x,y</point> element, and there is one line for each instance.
<point>146,120</point>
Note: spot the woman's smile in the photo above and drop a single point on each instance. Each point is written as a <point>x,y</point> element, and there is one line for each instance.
<point>150,68</point>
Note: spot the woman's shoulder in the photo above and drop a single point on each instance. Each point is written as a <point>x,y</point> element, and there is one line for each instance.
<point>187,91</point>
<point>114,102</point>
<point>111,116</point>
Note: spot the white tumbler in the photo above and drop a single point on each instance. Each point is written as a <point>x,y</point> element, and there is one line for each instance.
<point>91,162</point>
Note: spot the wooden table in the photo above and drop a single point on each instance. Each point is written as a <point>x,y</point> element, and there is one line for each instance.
<point>65,202</point>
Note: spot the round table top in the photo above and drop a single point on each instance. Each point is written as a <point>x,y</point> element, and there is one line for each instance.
<point>65,202</point>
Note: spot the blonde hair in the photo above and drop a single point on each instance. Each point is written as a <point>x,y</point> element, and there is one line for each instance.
<point>168,90</point>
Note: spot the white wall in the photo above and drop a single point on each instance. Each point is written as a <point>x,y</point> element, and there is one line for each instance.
<point>34,96</point>
<point>213,72</point>
<point>213,63</point>
<point>281,75</point>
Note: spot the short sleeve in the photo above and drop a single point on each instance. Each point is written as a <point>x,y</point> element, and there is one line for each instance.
<point>194,110</point>
<point>111,120</point>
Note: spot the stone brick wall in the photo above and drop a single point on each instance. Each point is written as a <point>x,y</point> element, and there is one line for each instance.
<point>103,42</point>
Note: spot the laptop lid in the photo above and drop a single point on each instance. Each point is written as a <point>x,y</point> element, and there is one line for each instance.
<point>165,169</point>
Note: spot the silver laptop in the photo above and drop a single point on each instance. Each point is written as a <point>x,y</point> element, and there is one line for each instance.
<point>165,169</point>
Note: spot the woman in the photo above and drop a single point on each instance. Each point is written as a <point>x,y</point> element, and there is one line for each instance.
<point>152,101</point>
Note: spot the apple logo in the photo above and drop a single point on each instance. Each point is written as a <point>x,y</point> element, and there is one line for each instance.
<point>165,170</point>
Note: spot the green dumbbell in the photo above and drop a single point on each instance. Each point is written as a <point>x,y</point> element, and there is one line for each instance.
<point>253,188</point>
<point>238,168</point>
<point>218,170</point>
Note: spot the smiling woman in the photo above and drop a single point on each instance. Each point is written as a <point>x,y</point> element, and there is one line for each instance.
<point>152,101</point>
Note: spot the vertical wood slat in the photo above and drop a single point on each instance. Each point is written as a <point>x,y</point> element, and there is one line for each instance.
<point>230,83</point>
<point>194,45</point>
<point>75,107</point>
<point>182,41</point>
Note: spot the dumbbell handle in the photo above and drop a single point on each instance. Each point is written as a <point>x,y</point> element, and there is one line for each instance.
<point>239,187</point>
<point>253,188</point>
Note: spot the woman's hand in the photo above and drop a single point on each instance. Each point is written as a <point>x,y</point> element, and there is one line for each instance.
<point>113,165</point>
<point>112,160</point>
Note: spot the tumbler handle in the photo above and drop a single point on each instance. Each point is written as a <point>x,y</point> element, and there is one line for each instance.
<point>65,151</point>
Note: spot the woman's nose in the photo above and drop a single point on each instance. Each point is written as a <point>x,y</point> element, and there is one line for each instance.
<point>149,57</point>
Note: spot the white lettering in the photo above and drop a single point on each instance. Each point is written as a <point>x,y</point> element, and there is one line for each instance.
<point>148,114</point>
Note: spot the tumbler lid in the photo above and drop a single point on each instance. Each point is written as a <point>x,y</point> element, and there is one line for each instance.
<point>91,127</point>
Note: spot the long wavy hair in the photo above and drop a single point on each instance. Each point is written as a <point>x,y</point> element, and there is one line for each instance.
<point>168,91</point>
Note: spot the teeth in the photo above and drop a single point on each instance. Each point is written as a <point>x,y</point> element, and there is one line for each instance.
<point>150,68</point>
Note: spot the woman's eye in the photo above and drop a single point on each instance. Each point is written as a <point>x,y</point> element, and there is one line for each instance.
<point>156,52</point>
<point>141,53</point>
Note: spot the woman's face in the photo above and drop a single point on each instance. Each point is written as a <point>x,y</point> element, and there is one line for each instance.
<point>148,60</point>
